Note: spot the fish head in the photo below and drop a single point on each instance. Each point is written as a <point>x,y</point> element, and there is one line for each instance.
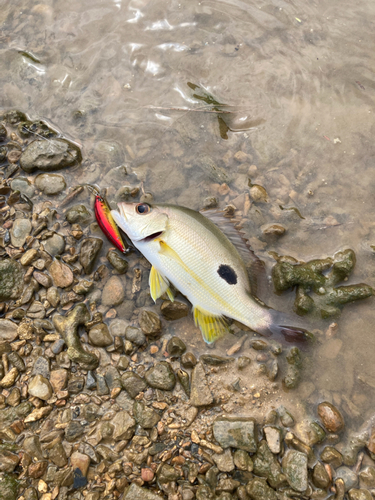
<point>140,221</point>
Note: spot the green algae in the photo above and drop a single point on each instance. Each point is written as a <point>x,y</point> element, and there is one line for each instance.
<point>321,277</point>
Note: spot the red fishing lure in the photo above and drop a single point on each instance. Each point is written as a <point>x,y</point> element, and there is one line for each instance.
<point>107,224</point>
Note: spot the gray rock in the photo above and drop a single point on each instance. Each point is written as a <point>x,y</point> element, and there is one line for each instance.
<point>295,468</point>
<point>124,426</point>
<point>200,393</point>
<point>8,461</point>
<point>161,376</point>
<point>23,185</point>
<point>41,367</point>
<point>54,245</point>
<point>8,330</point>
<point>266,465</point>
<point>235,432</point>
<point>50,184</point>
<point>50,155</point>
<point>133,384</point>
<point>90,249</point>
<point>40,387</point>
<point>20,231</point>
<point>348,476</point>
<point>273,438</point>
<point>112,378</point>
<point>99,335</point>
<point>102,387</point>
<point>135,492</point>
<point>73,431</point>
<point>78,214</point>
<point>135,336</point>
<point>113,292</point>
<point>144,416</point>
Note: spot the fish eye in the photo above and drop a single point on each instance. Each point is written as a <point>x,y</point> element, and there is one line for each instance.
<point>143,208</point>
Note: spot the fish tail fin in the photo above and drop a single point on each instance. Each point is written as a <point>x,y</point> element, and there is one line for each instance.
<point>279,325</point>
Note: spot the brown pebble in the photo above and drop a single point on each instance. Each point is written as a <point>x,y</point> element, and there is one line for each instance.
<point>147,475</point>
<point>331,418</point>
<point>154,349</point>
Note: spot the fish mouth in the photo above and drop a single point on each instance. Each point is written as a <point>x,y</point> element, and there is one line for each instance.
<point>152,236</point>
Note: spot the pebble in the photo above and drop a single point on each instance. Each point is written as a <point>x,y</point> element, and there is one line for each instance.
<point>349,477</point>
<point>89,252</point>
<point>50,184</point>
<point>28,257</point>
<point>121,265</point>
<point>40,387</point>
<point>331,417</point>
<point>9,379</point>
<point>133,384</point>
<point>273,438</point>
<point>62,275</point>
<point>59,379</point>
<point>135,336</point>
<point>175,347</point>
<point>273,229</point>
<point>144,416</point>
<point>235,432</point>
<point>161,376</point>
<point>23,185</point>
<point>20,231</point>
<point>258,194</point>
<point>113,292</point>
<point>174,310</point>
<point>295,468</point>
<point>200,393</point>
<point>149,322</point>
<point>55,245</point>
<point>188,360</point>
<point>99,335</point>
<point>8,330</point>
<point>224,461</point>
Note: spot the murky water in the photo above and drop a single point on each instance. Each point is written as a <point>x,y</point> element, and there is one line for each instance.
<point>298,85</point>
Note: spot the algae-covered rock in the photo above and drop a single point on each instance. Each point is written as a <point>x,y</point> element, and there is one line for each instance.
<point>11,279</point>
<point>236,432</point>
<point>266,465</point>
<point>8,487</point>
<point>320,276</point>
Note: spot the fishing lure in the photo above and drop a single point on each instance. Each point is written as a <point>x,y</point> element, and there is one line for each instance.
<point>106,221</point>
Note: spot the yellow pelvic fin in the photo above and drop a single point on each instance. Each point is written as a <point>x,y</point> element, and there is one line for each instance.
<point>159,285</point>
<point>212,327</point>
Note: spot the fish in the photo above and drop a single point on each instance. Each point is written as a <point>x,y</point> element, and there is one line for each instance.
<point>107,224</point>
<point>189,251</point>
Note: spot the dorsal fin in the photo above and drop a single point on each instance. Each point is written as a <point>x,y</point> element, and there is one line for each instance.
<point>230,227</point>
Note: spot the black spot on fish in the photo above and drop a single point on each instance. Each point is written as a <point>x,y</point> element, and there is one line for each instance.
<point>228,274</point>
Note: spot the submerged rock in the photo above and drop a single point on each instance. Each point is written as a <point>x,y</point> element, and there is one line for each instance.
<point>331,417</point>
<point>20,231</point>
<point>236,432</point>
<point>295,468</point>
<point>90,249</point>
<point>11,279</point>
<point>49,155</point>
<point>50,184</point>
<point>161,376</point>
<point>200,393</point>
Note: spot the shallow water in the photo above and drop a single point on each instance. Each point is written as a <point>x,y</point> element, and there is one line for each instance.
<point>298,86</point>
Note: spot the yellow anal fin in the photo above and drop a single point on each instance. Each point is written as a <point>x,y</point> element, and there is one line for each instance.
<point>159,285</point>
<point>212,327</point>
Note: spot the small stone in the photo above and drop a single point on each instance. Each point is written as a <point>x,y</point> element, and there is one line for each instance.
<point>9,378</point>
<point>273,229</point>
<point>147,475</point>
<point>32,446</point>
<point>188,360</point>
<point>224,461</point>
<point>121,265</point>
<point>241,156</point>
<point>149,322</point>
<point>161,376</point>
<point>331,417</point>
<point>50,155</point>
<point>200,393</point>
<point>29,256</point>
<point>286,418</point>
<point>79,480</point>
<point>80,461</point>
<point>258,193</point>
<point>174,310</point>
<point>175,347</point>
<point>235,432</point>
<point>8,330</point>
<point>135,336</point>
<point>243,461</point>
<point>133,384</point>
<point>123,363</point>
<point>266,465</point>
<point>23,185</point>
<point>20,231</point>
<point>273,438</point>
<point>55,245</point>
<point>90,249</point>
<point>36,310</point>
<point>50,184</point>
<point>360,494</point>
<point>73,431</point>
<point>320,476</point>
<point>331,456</point>
<point>11,281</point>
<point>59,379</point>
<point>348,476</point>
<point>37,469</point>
<point>43,279</point>
<point>78,214</point>
<point>8,461</point>
<point>367,476</point>
<point>124,426</point>
<point>99,335</point>
<point>102,387</point>
<point>113,292</point>
<point>258,489</point>
<point>56,452</point>
<point>53,296</point>
<point>40,387</point>
<point>90,380</point>
<point>295,468</point>
<point>135,492</point>
<point>41,367</point>
<point>61,274</point>
<point>144,416</point>
<point>14,397</point>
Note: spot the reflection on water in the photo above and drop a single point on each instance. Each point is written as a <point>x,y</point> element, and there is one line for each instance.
<point>298,86</point>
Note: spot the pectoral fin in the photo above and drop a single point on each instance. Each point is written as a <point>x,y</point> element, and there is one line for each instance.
<point>212,327</point>
<point>159,285</point>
